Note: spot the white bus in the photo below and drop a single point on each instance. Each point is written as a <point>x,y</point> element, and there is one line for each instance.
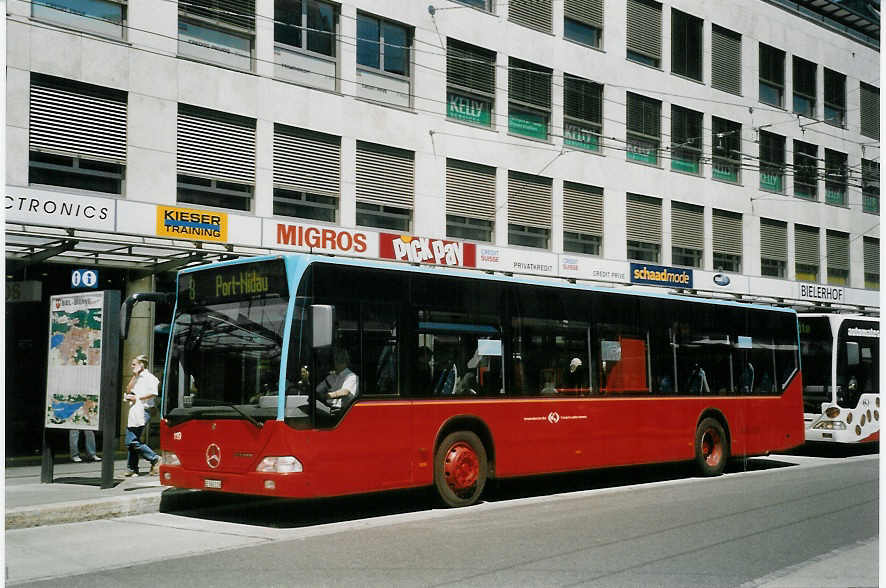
<point>841,377</point>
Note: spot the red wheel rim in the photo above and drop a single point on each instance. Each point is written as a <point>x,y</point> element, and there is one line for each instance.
<point>711,447</point>
<point>461,467</point>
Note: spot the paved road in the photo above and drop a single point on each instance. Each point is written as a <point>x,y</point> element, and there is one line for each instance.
<point>789,521</point>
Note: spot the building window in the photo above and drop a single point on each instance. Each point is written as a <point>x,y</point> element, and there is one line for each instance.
<point>725,60</point>
<point>384,217</point>
<point>529,99</point>
<point>726,148</point>
<point>870,186</point>
<point>804,87</point>
<point>64,148</point>
<point>644,32</point>
<point>805,170</point>
<point>643,128</point>
<point>806,253</point>
<point>771,75</point>
<point>103,17</point>
<point>217,31</point>
<point>838,258</point>
<point>529,210</point>
<point>305,205</point>
<point>643,228</point>
<point>383,60</point>
<point>773,248</point>
<point>772,162</point>
<point>72,172</point>
<point>687,234</point>
<point>465,227</point>
<point>686,131</point>
<point>834,98</point>
<point>686,44</point>
<point>485,5</point>
<point>870,111</point>
<point>307,173</point>
<point>871,263</point>
<point>727,240</point>
<point>385,186</point>
<point>583,113</point>
<point>216,193</point>
<point>304,42</point>
<point>470,81</point>
<point>535,14</point>
<point>836,177</point>
<point>215,158</point>
<point>470,201</point>
<point>583,22</point>
<point>582,218</point>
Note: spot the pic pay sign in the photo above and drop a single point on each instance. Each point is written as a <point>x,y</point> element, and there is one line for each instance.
<point>84,278</point>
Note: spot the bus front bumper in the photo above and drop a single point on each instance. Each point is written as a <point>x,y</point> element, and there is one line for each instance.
<point>291,485</point>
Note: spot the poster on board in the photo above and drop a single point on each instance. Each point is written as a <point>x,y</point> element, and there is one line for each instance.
<point>73,367</point>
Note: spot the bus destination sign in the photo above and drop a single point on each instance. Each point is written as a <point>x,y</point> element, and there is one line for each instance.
<point>232,283</point>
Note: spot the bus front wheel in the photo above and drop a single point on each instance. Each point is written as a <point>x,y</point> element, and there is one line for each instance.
<point>711,447</point>
<point>460,469</point>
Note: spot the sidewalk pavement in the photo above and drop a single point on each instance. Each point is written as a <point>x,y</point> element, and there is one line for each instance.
<point>76,494</point>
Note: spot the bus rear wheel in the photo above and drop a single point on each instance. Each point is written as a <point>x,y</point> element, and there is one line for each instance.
<point>460,469</point>
<point>711,447</point>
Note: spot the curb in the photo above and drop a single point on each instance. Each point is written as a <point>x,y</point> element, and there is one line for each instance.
<point>81,510</point>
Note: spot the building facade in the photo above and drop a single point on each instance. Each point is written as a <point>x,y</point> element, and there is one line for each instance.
<point>712,147</point>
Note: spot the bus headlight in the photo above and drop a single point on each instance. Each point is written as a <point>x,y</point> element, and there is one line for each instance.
<point>285,464</point>
<point>170,459</point>
<point>830,425</point>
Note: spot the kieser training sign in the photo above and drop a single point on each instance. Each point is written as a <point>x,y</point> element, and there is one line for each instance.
<point>73,369</point>
<point>426,250</point>
<point>190,223</point>
<point>657,275</point>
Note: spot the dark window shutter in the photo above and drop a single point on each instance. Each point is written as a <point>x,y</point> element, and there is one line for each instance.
<point>470,67</point>
<point>644,27</point>
<point>725,60</point>
<point>870,111</point>
<point>582,209</point>
<point>529,200</point>
<point>215,145</point>
<point>385,175</point>
<point>470,189</point>
<point>535,14</point>
<point>806,246</point>
<point>589,12</point>
<point>687,225</point>
<point>529,83</point>
<point>643,219</point>
<point>583,99</point>
<point>239,13</point>
<point>727,232</point>
<point>307,161</point>
<point>773,239</point>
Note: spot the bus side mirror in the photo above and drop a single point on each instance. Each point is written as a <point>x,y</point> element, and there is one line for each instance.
<point>129,303</point>
<point>852,355</point>
<point>322,325</point>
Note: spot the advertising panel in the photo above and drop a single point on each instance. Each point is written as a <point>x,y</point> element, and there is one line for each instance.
<point>588,268</point>
<point>56,209</point>
<point>427,250</point>
<point>73,369</point>
<point>820,292</point>
<point>468,109</point>
<point>192,223</point>
<point>520,261</point>
<point>659,275</point>
<point>319,239</point>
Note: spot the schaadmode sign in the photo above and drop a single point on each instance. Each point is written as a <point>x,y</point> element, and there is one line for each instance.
<point>658,275</point>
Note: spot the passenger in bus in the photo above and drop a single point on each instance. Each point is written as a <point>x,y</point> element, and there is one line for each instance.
<point>339,389</point>
<point>424,376</point>
<point>698,381</point>
<point>746,383</point>
<point>574,380</point>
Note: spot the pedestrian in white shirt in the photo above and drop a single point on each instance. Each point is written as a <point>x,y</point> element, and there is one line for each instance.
<point>141,390</point>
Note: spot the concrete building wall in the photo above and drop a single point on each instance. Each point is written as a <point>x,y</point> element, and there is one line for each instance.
<point>147,67</point>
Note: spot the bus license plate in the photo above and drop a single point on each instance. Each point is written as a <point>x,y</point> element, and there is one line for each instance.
<point>212,484</point>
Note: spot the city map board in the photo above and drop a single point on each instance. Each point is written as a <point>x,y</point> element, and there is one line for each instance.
<point>73,372</point>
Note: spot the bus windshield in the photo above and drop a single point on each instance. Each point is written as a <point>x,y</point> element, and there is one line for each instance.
<point>816,345</point>
<point>227,336</point>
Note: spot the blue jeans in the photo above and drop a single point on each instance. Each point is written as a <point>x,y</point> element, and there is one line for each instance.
<point>136,447</point>
<point>73,442</point>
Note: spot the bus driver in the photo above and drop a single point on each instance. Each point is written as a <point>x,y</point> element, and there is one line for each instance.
<point>339,388</point>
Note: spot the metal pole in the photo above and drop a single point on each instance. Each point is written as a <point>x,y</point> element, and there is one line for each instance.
<point>46,464</point>
<point>110,389</point>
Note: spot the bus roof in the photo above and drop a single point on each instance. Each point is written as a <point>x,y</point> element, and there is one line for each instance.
<point>306,259</point>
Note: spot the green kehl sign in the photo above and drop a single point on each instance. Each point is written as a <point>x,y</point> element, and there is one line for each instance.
<point>528,124</point>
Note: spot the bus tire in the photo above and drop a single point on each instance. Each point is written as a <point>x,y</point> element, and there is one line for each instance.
<point>711,447</point>
<point>460,469</point>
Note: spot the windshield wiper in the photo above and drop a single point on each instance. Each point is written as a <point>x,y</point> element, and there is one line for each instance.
<point>208,403</point>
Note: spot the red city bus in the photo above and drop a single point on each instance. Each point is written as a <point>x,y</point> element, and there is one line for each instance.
<point>312,376</point>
